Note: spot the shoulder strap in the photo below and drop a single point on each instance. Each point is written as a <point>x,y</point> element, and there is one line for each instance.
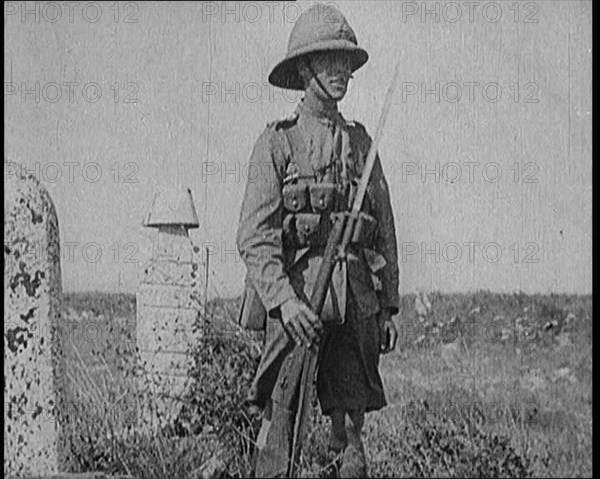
<point>298,150</point>
<point>295,142</point>
<point>281,127</point>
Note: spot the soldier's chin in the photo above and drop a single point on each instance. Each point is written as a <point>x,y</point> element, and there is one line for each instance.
<point>337,92</point>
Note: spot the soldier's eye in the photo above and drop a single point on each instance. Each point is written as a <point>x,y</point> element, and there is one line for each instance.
<point>343,62</point>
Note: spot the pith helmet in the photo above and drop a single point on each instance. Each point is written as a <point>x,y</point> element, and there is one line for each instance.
<point>320,28</point>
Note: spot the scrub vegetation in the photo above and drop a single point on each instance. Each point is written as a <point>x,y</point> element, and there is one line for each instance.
<point>480,385</point>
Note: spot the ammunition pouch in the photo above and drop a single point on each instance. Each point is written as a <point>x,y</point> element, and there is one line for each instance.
<point>311,230</point>
<point>313,197</point>
<point>308,207</point>
<point>325,197</point>
<point>295,197</point>
<point>305,230</point>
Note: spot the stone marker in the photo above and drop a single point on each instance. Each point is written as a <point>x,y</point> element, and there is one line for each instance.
<point>33,360</point>
<point>168,304</point>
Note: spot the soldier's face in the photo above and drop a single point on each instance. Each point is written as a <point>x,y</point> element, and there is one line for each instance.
<point>333,69</point>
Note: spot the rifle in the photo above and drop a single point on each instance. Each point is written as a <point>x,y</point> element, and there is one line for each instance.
<point>337,244</point>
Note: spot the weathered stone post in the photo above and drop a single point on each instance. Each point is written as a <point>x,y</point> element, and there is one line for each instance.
<point>168,305</point>
<point>33,358</point>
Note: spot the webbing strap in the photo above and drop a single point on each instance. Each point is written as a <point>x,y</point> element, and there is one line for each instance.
<point>297,147</point>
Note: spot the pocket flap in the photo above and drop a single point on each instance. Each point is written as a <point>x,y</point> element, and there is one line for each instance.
<point>295,197</point>
<point>323,196</point>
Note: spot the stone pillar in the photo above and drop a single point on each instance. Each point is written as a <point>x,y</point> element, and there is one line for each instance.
<point>33,359</point>
<point>168,305</point>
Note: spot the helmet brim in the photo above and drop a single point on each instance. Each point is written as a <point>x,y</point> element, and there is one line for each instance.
<point>285,73</point>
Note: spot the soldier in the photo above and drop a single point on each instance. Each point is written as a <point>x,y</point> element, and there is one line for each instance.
<point>309,166</point>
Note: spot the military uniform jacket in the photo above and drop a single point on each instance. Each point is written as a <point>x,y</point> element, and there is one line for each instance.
<point>276,274</point>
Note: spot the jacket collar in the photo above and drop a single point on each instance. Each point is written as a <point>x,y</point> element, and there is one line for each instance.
<point>328,117</point>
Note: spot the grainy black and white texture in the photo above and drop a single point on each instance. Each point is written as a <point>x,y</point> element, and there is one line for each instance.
<point>487,151</point>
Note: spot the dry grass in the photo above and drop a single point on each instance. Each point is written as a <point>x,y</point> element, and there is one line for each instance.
<point>482,403</point>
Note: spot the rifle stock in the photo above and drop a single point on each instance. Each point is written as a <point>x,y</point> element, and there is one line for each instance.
<point>319,293</point>
<point>317,300</point>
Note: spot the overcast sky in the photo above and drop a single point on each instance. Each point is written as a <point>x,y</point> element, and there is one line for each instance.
<point>487,150</point>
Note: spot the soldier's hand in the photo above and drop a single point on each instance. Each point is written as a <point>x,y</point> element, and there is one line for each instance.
<point>388,334</point>
<point>302,324</point>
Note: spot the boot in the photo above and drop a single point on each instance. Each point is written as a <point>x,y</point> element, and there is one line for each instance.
<point>354,463</point>
<point>338,440</point>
